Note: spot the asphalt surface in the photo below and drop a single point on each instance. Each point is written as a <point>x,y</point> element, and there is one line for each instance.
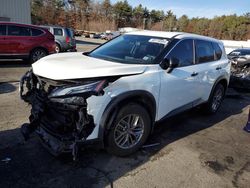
<point>193,149</point>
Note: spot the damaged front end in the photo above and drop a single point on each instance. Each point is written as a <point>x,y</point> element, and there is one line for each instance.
<point>240,75</point>
<point>59,111</point>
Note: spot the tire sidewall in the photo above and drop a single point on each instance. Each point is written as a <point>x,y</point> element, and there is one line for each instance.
<point>59,48</point>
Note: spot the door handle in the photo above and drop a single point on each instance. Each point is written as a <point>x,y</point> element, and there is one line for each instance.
<point>194,74</point>
<point>218,68</point>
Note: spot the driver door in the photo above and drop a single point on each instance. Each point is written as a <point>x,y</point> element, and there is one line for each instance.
<point>181,88</point>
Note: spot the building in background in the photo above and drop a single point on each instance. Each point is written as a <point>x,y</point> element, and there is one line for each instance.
<point>15,11</point>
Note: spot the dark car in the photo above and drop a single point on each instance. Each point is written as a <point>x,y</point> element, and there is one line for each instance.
<point>240,56</point>
<point>64,37</point>
<point>20,41</point>
<point>240,70</point>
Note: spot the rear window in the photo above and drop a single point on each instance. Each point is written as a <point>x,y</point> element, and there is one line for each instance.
<point>204,51</point>
<point>70,33</point>
<point>36,32</point>
<point>217,51</point>
<point>2,30</point>
<point>58,31</point>
<point>18,31</point>
<point>235,53</point>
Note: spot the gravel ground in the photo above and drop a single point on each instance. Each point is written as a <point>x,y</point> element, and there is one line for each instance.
<point>194,150</point>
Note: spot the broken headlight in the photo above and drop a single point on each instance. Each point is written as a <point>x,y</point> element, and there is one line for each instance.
<point>86,90</point>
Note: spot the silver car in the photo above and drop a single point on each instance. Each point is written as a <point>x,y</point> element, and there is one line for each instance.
<point>64,38</point>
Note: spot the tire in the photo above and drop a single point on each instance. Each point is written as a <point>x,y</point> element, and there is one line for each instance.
<point>122,127</point>
<point>215,99</point>
<point>58,48</point>
<point>37,54</point>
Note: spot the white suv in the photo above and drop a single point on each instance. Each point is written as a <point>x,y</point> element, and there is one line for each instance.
<point>117,92</point>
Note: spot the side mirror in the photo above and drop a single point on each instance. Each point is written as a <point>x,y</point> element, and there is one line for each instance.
<point>170,64</point>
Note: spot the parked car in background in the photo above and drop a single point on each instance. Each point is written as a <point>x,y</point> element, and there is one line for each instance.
<point>240,56</point>
<point>116,93</point>
<point>240,71</point>
<point>103,36</point>
<point>64,38</point>
<point>21,41</point>
<point>112,35</point>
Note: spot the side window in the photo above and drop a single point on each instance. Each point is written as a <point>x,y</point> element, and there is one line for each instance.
<point>217,51</point>
<point>183,51</point>
<point>2,30</point>
<point>18,31</point>
<point>36,32</point>
<point>58,31</point>
<point>235,53</point>
<point>204,51</point>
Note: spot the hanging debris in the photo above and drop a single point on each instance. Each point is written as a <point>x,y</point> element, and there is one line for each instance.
<point>240,74</point>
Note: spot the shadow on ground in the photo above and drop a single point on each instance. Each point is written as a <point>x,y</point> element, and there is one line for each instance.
<point>31,165</point>
<point>13,63</point>
<point>7,88</point>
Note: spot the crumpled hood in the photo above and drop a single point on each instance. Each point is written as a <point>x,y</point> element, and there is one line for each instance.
<point>76,65</point>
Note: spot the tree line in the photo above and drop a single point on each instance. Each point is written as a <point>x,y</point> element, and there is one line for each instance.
<point>102,15</point>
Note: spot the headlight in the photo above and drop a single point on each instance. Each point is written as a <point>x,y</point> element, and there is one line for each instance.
<point>94,88</point>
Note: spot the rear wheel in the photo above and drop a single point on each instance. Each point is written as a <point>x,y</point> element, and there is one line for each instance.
<point>57,48</point>
<point>37,54</point>
<point>130,130</point>
<point>215,99</point>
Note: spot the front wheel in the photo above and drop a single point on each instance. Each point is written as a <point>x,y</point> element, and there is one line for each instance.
<point>130,130</point>
<point>215,99</point>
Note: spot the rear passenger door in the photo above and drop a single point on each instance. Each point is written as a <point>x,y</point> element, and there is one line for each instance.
<point>208,65</point>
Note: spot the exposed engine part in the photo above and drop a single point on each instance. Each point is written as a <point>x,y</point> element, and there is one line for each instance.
<point>240,75</point>
<point>61,121</point>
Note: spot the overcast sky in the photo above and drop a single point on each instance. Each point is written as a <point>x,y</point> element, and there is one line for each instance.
<point>196,8</point>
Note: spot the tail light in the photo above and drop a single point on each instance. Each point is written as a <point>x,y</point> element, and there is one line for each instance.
<point>67,39</point>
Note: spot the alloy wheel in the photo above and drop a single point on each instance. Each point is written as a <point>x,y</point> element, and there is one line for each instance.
<point>129,131</point>
<point>38,54</point>
<point>217,99</point>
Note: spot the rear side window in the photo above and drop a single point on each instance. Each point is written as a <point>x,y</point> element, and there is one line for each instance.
<point>2,30</point>
<point>217,51</point>
<point>36,32</point>
<point>235,53</point>
<point>204,51</point>
<point>58,31</point>
<point>245,52</point>
<point>183,51</point>
<point>18,31</point>
<point>70,33</point>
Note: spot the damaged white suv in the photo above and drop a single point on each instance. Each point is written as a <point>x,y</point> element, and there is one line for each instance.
<point>117,92</point>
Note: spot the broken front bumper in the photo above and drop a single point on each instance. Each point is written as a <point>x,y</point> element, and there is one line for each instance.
<point>60,120</point>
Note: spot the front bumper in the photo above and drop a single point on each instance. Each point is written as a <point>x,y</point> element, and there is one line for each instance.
<point>62,127</point>
<point>55,145</point>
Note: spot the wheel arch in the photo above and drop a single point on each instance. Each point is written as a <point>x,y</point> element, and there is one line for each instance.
<point>221,80</point>
<point>141,97</point>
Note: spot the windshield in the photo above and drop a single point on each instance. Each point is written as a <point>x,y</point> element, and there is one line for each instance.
<point>131,49</point>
